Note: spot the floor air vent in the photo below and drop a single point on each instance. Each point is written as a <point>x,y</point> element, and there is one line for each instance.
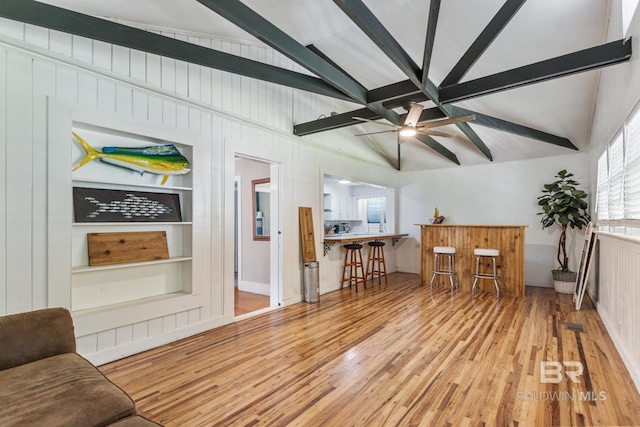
<point>578,327</point>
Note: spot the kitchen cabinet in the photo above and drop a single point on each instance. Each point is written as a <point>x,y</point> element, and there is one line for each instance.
<point>340,207</point>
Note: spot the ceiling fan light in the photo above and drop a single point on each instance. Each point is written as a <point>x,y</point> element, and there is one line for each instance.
<point>407,131</point>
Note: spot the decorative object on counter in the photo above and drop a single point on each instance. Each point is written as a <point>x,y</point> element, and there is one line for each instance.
<point>101,205</point>
<point>563,204</point>
<point>437,218</point>
<point>158,159</point>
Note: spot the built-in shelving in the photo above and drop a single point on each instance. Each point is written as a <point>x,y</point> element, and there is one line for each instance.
<point>108,285</point>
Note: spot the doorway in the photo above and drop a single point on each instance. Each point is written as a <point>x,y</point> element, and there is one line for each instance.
<point>257,236</point>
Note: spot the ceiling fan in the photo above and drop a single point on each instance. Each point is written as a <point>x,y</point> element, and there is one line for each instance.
<point>411,127</point>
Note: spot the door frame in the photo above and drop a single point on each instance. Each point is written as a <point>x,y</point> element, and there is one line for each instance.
<point>276,293</point>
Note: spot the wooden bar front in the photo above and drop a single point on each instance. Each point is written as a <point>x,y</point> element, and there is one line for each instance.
<point>508,239</point>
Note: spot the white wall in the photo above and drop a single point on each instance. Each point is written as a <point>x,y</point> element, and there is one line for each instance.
<point>495,193</point>
<point>228,115</point>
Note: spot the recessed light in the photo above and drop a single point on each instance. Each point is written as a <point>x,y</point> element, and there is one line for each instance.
<point>344,181</point>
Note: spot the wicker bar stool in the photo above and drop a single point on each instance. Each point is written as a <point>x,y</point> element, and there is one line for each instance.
<point>444,263</point>
<point>353,263</point>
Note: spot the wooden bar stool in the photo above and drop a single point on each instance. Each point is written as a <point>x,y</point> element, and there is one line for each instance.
<point>444,255</point>
<point>486,253</point>
<point>353,262</point>
<point>375,262</point>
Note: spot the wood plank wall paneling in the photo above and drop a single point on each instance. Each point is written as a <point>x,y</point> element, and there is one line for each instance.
<point>618,297</point>
<point>159,90</point>
<point>508,240</point>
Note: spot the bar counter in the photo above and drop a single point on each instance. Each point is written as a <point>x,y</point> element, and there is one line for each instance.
<point>331,239</point>
<point>508,239</point>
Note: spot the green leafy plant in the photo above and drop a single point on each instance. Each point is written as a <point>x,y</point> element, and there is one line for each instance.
<point>563,204</point>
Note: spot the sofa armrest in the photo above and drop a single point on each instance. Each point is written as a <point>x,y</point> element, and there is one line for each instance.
<point>33,335</point>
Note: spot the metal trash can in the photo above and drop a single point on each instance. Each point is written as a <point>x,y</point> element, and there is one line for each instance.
<point>311,282</point>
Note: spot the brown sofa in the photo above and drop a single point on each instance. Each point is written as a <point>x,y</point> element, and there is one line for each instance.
<point>44,382</point>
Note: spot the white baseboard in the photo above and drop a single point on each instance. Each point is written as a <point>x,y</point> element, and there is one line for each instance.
<point>254,288</point>
<point>122,351</point>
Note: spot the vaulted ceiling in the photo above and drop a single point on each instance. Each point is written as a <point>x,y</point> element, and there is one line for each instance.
<point>527,70</point>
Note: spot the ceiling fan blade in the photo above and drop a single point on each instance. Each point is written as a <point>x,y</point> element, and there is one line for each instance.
<point>443,122</point>
<point>435,133</point>
<point>374,121</point>
<point>413,116</point>
<point>373,133</point>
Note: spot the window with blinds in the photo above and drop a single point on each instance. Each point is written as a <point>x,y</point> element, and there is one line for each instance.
<point>602,197</point>
<point>616,175</point>
<point>618,186</point>
<point>632,169</point>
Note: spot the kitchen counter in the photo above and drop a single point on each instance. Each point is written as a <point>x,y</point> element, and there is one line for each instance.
<point>331,239</point>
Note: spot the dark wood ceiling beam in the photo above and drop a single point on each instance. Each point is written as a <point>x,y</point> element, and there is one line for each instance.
<point>483,41</point>
<point>59,19</point>
<point>334,122</point>
<point>516,129</point>
<point>322,55</point>
<point>244,17</point>
<point>392,91</point>
<point>434,11</point>
<point>437,147</point>
<point>373,28</point>
<point>577,62</point>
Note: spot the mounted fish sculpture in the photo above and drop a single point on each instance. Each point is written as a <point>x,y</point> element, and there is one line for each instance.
<point>159,159</point>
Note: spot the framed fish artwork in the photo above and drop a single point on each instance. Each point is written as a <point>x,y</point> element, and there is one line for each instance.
<point>163,160</point>
<point>102,205</point>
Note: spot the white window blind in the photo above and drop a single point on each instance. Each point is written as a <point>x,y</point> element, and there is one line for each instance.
<point>632,169</point>
<point>602,198</point>
<point>616,178</point>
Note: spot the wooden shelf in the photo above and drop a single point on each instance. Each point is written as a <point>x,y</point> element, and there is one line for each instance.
<point>113,224</point>
<point>91,269</point>
<point>129,185</point>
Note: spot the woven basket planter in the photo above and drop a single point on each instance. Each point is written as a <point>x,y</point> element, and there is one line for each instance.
<point>564,282</point>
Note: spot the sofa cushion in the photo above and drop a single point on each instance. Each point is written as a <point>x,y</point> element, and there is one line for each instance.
<point>63,390</point>
<point>34,335</point>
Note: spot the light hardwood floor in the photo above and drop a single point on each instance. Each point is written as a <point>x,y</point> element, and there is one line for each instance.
<point>390,355</point>
<point>247,302</point>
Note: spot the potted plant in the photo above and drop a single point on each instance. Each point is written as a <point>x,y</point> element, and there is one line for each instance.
<point>563,204</point>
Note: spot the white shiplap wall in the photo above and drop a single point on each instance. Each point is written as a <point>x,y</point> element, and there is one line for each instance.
<point>619,297</point>
<point>614,285</point>
<point>229,113</point>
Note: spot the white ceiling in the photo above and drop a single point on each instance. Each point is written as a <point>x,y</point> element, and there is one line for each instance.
<point>542,29</point>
